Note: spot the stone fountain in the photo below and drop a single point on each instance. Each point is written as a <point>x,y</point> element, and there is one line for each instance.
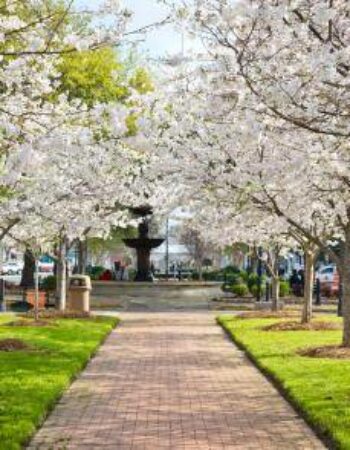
<point>143,244</point>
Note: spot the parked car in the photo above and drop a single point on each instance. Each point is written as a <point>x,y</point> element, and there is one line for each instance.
<point>46,267</point>
<point>326,273</point>
<point>329,279</point>
<point>11,268</point>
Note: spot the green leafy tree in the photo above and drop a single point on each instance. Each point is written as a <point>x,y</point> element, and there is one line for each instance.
<point>141,81</point>
<point>98,246</point>
<point>93,76</point>
<point>97,76</point>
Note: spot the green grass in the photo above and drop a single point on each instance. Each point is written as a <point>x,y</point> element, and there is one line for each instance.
<point>32,381</point>
<point>320,388</point>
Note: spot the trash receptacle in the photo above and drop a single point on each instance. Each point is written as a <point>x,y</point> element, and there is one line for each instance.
<point>79,293</point>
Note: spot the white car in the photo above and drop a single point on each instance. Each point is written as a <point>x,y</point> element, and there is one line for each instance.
<point>327,273</point>
<point>11,268</point>
<point>329,280</point>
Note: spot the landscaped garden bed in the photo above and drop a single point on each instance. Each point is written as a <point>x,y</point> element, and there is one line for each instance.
<point>309,366</point>
<point>36,364</point>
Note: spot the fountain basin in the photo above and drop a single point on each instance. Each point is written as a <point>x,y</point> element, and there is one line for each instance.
<point>145,243</point>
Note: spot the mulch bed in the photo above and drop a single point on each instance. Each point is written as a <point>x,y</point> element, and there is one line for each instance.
<point>13,345</point>
<point>47,318</point>
<point>229,307</point>
<point>326,351</point>
<point>266,315</point>
<point>30,323</point>
<point>298,326</point>
<point>54,314</point>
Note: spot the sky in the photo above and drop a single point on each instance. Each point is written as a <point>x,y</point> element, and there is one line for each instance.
<point>162,41</point>
<point>158,43</point>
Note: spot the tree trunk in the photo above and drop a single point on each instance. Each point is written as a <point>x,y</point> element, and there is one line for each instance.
<point>253,264</point>
<point>275,278</point>
<point>275,293</point>
<point>61,292</point>
<point>82,256</point>
<point>346,306</point>
<point>36,303</point>
<point>308,286</point>
<point>27,279</point>
<point>345,278</point>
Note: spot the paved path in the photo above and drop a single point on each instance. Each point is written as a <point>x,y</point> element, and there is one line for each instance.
<point>172,381</point>
<point>153,297</point>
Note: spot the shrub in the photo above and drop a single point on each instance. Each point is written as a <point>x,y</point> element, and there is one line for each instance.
<point>252,280</point>
<point>19,306</point>
<point>49,283</point>
<point>241,290</point>
<point>131,274</point>
<point>195,276</point>
<point>231,270</point>
<point>284,288</point>
<point>244,275</point>
<point>226,287</point>
<point>229,274</point>
<point>233,278</point>
<point>254,289</point>
<point>96,272</point>
<point>214,275</point>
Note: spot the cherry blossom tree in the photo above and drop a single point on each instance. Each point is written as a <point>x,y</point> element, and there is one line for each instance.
<point>284,68</point>
<point>219,146</point>
<point>66,167</point>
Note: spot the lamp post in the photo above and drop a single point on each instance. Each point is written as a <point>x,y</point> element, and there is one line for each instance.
<point>259,273</point>
<point>318,291</point>
<point>2,295</point>
<point>267,291</point>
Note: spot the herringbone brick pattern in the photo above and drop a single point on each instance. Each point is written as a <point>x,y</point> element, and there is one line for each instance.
<point>172,381</point>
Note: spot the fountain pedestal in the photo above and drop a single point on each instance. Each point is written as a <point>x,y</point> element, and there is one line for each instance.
<point>143,245</point>
<point>143,265</point>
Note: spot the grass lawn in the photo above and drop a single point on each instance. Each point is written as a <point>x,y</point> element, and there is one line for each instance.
<point>320,388</point>
<point>32,381</point>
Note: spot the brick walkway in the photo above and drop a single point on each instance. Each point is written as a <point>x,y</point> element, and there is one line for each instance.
<point>172,381</point>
